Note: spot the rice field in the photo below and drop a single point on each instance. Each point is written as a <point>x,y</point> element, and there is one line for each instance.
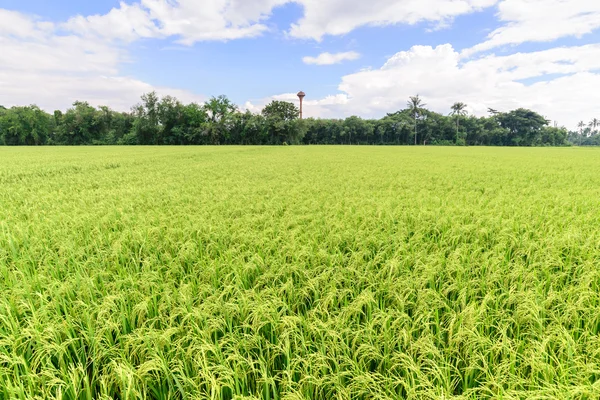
<point>287,273</point>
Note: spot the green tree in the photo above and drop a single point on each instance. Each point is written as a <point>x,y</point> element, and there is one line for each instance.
<point>146,125</point>
<point>283,123</point>
<point>581,126</point>
<point>250,128</point>
<point>554,136</point>
<point>194,124</point>
<point>170,119</point>
<point>359,129</point>
<point>219,111</point>
<point>524,126</point>
<point>25,126</point>
<point>80,125</point>
<point>281,110</point>
<point>594,124</point>
<point>458,110</point>
<point>416,106</point>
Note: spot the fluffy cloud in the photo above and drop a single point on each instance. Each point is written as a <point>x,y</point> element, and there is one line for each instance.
<point>38,65</point>
<point>541,21</point>
<point>330,59</point>
<point>126,23</point>
<point>441,78</point>
<point>14,24</point>
<point>338,17</point>
<point>194,20</point>
<point>201,20</point>
<point>189,20</point>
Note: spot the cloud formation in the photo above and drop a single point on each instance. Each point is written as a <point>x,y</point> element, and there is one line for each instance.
<point>191,21</point>
<point>338,17</point>
<point>541,21</point>
<point>330,59</point>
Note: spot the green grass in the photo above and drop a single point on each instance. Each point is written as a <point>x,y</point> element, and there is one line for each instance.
<point>299,273</point>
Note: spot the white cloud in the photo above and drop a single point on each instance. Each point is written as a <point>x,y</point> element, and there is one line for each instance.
<point>541,21</point>
<point>439,76</point>
<point>189,20</point>
<point>330,59</point>
<point>38,65</point>
<point>126,23</point>
<point>53,53</point>
<point>14,24</point>
<point>338,17</point>
<point>201,20</point>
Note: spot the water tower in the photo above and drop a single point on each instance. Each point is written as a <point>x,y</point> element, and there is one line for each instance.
<point>301,96</point>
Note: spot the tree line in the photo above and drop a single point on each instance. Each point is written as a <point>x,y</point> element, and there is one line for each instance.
<point>167,121</point>
<point>587,134</point>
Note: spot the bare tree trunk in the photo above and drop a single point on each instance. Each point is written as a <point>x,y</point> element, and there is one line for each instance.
<point>457,126</point>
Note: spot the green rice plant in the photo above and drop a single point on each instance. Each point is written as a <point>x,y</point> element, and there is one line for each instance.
<point>293,273</point>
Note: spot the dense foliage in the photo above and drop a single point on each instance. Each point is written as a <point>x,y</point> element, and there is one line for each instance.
<point>299,273</point>
<point>166,121</point>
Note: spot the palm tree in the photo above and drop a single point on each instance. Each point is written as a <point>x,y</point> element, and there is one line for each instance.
<point>458,110</point>
<point>415,105</point>
<point>594,123</point>
<point>581,125</point>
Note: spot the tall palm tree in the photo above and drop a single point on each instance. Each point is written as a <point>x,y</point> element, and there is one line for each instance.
<point>594,124</point>
<point>458,110</point>
<point>581,125</point>
<point>415,105</point>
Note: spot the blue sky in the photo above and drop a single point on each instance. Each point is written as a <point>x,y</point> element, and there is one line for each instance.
<point>541,54</point>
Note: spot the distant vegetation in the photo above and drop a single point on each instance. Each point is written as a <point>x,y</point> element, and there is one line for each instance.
<point>167,121</point>
<point>587,134</point>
